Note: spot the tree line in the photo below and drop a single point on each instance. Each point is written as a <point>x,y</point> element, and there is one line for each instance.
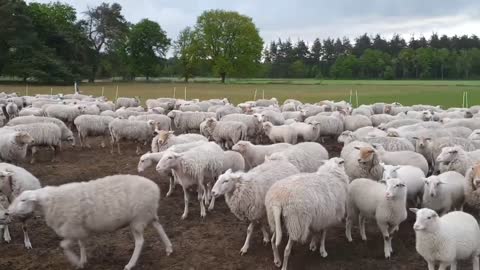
<point>49,43</point>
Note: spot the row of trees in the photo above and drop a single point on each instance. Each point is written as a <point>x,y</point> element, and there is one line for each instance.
<point>48,43</point>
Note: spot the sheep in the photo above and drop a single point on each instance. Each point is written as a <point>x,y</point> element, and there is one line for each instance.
<point>307,156</point>
<point>245,193</point>
<point>308,204</point>
<point>127,102</point>
<point>164,139</point>
<point>472,192</point>
<point>13,181</point>
<point>188,107</point>
<point>226,133</point>
<point>402,158</point>
<point>109,113</point>
<point>447,239</point>
<point>285,133</point>
<point>254,155</point>
<point>391,143</point>
<point>469,123</point>
<point>13,145</point>
<point>67,134</point>
<point>92,125</point>
<point>361,133</point>
<point>307,132</point>
<point>139,131</point>
<point>386,204</point>
<point>292,101</point>
<point>91,109</point>
<point>12,110</point>
<point>379,119</point>
<point>329,125</point>
<point>398,123</point>
<point>43,134</point>
<point>297,116</point>
<point>66,113</point>
<point>288,107</point>
<point>186,122</point>
<point>311,110</point>
<point>197,166</point>
<point>253,124</point>
<point>31,111</point>
<point>378,108</point>
<point>475,135</point>
<point>363,110</point>
<point>226,110</point>
<point>273,117</point>
<point>445,192</point>
<point>364,163</point>
<point>266,102</point>
<point>162,122</point>
<point>411,176</point>
<point>354,122</point>
<point>118,200</point>
<point>458,160</point>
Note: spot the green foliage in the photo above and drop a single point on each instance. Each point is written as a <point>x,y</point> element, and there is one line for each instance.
<point>187,53</point>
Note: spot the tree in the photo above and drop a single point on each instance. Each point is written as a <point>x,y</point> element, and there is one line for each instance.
<point>316,52</point>
<point>147,45</point>
<point>464,63</point>
<point>104,25</point>
<point>186,50</point>
<point>345,67</point>
<point>361,44</point>
<point>230,41</point>
<point>441,57</point>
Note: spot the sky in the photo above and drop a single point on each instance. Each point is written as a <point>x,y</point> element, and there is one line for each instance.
<point>309,19</point>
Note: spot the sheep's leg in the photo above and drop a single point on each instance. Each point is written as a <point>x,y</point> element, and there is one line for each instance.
<point>118,147</point>
<point>34,150</point>
<point>313,242</point>
<point>476,263</point>
<point>286,253</point>
<point>266,237</point>
<point>361,221</point>
<point>444,265</point>
<point>83,253</point>
<point>163,236</point>
<point>246,245</point>
<point>323,252</point>
<point>208,193</point>
<point>348,228</point>
<point>202,193</point>
<point>55,149</point>
<point>80,139</point>
<point>171,187</point>
<point>137,231</point>
<point>6,234</point>
<point>139,150</point>
<point>26,239</point>
<point>276,255</point>
<point>112,144</point>
<point>186,199</point>
<point>71,256</point>
<point>386,239</point>
<point>212,204</point>
<point>431,265</point>
<point>102,144</point>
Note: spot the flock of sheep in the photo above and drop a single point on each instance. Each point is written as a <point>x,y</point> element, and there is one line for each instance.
<point>266,160</point>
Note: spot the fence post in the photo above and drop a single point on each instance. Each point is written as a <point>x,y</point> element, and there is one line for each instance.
<point>51,91</point>
<point>185,93</point>
<point>174,91</point>
<point>255,95</point>
<point>103,91</point>
<point>26,90</point>
<point>263,94</point>
<point>116,94</point>
<point>356,96</point>
<point>351,93</point>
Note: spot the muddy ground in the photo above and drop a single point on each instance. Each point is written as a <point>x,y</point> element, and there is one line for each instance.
<point>211,243</point>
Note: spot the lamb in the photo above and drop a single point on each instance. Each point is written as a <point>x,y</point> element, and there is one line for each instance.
<point>13,181</point>
<point>245,193</point>
<point>297,116</point>
<point>411,176</point>
<point>187,122</point>
<point>118,200</point>
<point>458,160</point>
<point>307,132</point>
<point>139,131</point>
<point>266,102</point>
<point>226,133</point>
<point>164,139</point>
<point>197,166</point>
<point>308,204</point>
<point>402,158</point>
<point>253,124</point>
<point>109,113</point>
<point>285,133</point>
<point>43,134</point>
<point>440,239</point>
<point>276,118</point>
<point>12,110</point>
<point>445,192</point>
<point>127,102</point>
<point>330,125</point>
<point>66,113</point>
<point>307,156</point>
<point>354,122</point>
<point>13,145</point>
<point>92,125</point>
<point>311,110</point>
<point>364,163</point>
<point>226,110</point>
<point>378,119</point>
<point>386,204</point>
<point>67,134</point>
<point>254,155</point>
<point>91,109</point>
<point>163,122</point>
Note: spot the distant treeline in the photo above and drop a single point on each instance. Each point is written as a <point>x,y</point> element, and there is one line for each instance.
<point>48,43</point>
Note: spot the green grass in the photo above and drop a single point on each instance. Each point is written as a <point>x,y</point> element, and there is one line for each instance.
<point>445,93</point>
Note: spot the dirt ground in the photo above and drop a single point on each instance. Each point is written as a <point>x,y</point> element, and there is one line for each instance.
<point>211,243</point>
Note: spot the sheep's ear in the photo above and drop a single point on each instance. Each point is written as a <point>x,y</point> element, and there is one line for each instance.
<point>413,210</point>
<point>229,171</point>
<point>442,182</point>
<point>428,139</point>
<point>415,138</point>
<point>383,181</point>
<point>321,163</point>
<point>356,147</point>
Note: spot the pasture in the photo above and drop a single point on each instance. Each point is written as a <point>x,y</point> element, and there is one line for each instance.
<point>444,93</point>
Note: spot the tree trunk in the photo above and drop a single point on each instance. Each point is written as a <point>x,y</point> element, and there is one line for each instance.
<point>441,68</point>
<point>94,72</point>
<point>223,75</point>
<point>147,77</point>
<point>186,79</point>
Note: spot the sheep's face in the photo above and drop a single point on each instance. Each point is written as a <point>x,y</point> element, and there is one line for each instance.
<point>163,136</point>
<point>390,171</point>
<point>240,147</point>
<point>267,126</point>
<point>168,161</point>
<point>392,133</point>
<point>433,185</point>
<point>426,219</point>
<point>476,176</point>
<point>331,164</point>
<point>23,138</point>
<point>366,155</point>
<point>4,216</point>
<point>172,114</point>
<point>144,163</point>
<point>387,109</point>
<point>427,115</point>
<point>225,183</point>
<point>345,137</point>
<point>421,142</point>
<point>24,204</point>
<point>210,122</point>
<point>448,154</point>
<point>258,117</point>
<point>475,136</point>
<point>395,189</point>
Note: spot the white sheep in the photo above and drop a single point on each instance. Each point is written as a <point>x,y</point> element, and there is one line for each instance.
<point>139,131</point>
<point>245,193</point>
<point>67,134</point>
<point>457,159</point>
<point>329,125</point>
<point>398,123</point>
<point>163,122</point>
<point>307,132</point>
<point>472,192</point>
<point>31,111</point>
<point>364,162</point>
<point>226,110</point>
<point>254,155</point>
<point>66,113</point>
<point>402,158</point>
<point>411,176</point>
<point>187,122</point>
<point>12,109</point>
<point>386,204</point>
<point>445,192</point>
<point>279,134</point>
<point>354,122</point>
<point>307,156</point>
<point>118,200</point>
<point>306,204</point>
<point>447,239</point>
<point>226,133</point>
<point>92,125</point>
<point>164,139</point>
<point>13,145</point>
<point>253,125</point>
<point>276,118</point>
<point>127,102</point>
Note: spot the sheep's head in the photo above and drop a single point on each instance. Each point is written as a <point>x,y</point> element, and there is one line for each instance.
<point>211,122</point>
<point>427,115</point>
<point>226,183</point>
<point>172,114</point>
<point>422,142</point>
<point>329,164</point>
<point>448,154</point>
<point>23,138</point>
<point>163,136</point>
<point>475,136</point>
<point>241,146</point>
<point>153,125</point>
<point>346,137</point>
<point>6,182</point>
<point>387,109</point>
<point>267,126</point>
<point>390,171</point>
<point>315,125</point>
<point>433,184</point>
<point>168,161</point>
<point>395,188</point>
<point>469,114</point>
<point>474,176</point>
<point>258,116</point>
<point>427,219</point>
<point>144,162</point>
<point>366,155</point>
<point>25,203</point>
<point>391,132</point>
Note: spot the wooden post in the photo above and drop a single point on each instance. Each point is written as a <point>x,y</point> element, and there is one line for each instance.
<point>466,99</point>
<point>463,99</point>
<point>174,91</point>
<point>255,95</point>
<point>351,92</point>
<point>356,96</point>
<point>263,94</point>
<point>51,91</point>
<point>116,94</point>
<point>185,93</point>
<point>26,90</point>
<point>103,91</point>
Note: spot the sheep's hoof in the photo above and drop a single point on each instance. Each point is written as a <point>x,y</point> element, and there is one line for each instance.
<point>169,251</point>
<point>277,263</point>
<point>323,253</point>
<point>313,246</point>
<point>266,241</point>
<point>243,251</point>
<point>184,216</point>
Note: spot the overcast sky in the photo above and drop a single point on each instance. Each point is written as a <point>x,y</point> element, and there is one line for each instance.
<point>308,19</point>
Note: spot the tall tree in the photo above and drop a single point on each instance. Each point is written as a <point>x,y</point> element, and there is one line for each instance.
<point>396,44</point>
<point>230,41</point>
<point>104,25</point>
<point>186,50</point>
<point>380,44</point>
<point>361,44</point>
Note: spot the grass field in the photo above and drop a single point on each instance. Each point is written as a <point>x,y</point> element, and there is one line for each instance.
<point>445,93</point>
